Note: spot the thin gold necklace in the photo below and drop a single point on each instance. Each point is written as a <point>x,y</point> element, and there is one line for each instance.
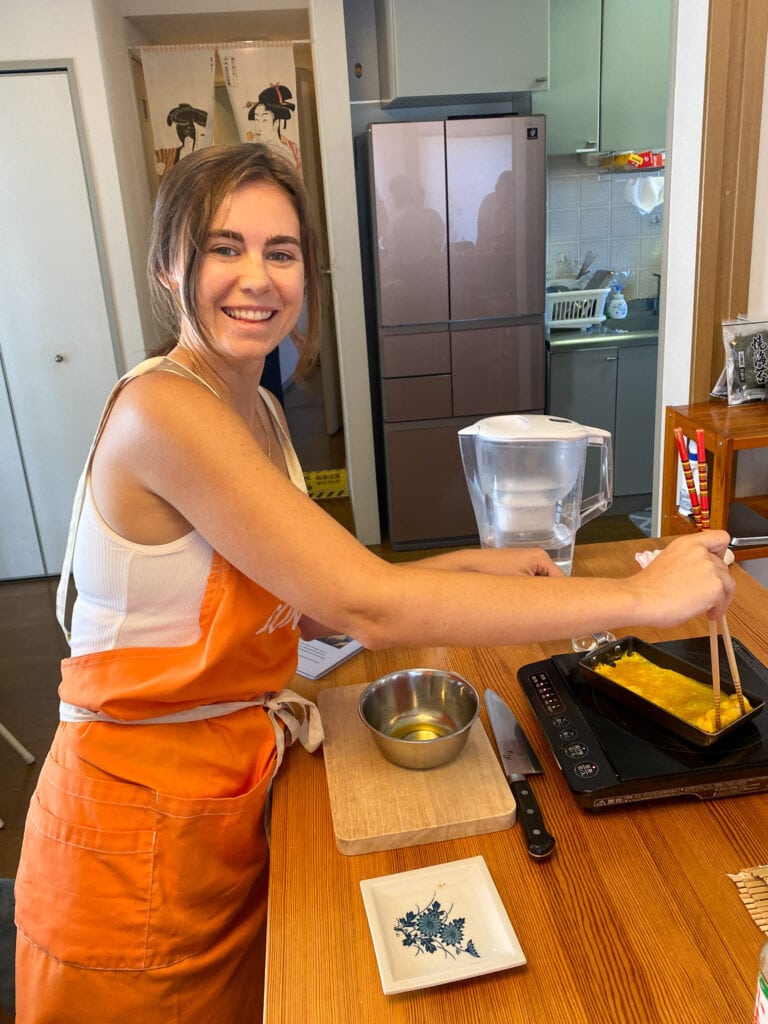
<point>201,373</point>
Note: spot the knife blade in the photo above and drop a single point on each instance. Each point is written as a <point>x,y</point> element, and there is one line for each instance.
<point>519,760</point>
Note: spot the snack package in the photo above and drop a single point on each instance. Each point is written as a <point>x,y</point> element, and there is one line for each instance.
<point>746,360</point>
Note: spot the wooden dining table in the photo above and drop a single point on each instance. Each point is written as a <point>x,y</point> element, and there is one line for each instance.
<point>633,919</point>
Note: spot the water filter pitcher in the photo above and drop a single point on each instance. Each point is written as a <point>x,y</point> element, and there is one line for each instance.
<point>525,476</point>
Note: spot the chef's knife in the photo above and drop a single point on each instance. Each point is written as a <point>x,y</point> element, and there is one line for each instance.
<point>519,760</point>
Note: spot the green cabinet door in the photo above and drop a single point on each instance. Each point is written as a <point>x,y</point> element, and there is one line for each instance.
<point>572,102</point>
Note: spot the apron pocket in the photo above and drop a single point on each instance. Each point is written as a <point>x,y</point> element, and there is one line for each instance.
<point>115,876</point>
<point>84,883</point>
<point>210,870</point>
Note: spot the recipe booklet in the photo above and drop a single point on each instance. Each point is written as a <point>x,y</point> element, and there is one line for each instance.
<point>316,657</point>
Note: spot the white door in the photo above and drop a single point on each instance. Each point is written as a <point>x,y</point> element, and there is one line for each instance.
<point>56,333</point>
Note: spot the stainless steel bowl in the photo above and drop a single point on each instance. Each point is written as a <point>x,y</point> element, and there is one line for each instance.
<point>420,717</point>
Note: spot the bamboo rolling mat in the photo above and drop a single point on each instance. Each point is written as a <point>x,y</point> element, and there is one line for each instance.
<point>752,884</point>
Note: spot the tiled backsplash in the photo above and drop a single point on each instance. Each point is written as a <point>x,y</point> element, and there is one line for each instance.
<point>587,210</point>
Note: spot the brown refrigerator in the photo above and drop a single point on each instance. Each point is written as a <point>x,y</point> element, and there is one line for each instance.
<point>459,232</point>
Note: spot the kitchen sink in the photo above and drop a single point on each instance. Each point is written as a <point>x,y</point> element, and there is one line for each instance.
<point>639,322</point>
<point>633,330</point>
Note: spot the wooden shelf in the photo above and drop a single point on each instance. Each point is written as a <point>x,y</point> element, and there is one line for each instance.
<point>727,430</point>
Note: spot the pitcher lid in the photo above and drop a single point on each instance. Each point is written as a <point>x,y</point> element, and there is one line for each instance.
<point>520,427</point>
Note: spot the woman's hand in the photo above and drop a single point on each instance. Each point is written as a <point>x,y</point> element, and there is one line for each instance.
<point>495,561</point>
<point>688,577</point>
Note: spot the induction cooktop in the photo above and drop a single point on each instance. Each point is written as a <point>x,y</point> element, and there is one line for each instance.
<point>612,757</point>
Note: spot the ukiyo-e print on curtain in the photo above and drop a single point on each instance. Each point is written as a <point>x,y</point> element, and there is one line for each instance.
<point>180,92</point>
<point>261,82</point>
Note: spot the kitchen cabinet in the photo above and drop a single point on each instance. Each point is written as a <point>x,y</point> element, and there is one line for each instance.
<point>608,76</point>
<point>572,102</point>
<point>634,75</point>
<point>435,50</point>
<point>613,387</point>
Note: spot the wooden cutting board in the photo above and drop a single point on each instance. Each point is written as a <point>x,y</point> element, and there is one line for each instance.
<point>377,805</point>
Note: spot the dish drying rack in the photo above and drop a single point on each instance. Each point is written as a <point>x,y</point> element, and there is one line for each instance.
<point>576,308</point>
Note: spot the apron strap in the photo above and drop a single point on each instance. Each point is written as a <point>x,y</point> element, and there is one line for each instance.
<point>77,505</point>
<point>306,726</point>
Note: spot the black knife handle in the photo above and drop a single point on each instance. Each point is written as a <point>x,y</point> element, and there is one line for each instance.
<point>539,842</point>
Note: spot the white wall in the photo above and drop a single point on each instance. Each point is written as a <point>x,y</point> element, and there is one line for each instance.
<point>688,47</point>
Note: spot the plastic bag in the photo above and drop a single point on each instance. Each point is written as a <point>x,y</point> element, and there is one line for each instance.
<point>746,360</point>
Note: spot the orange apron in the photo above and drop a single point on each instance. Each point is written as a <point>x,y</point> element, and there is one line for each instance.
<point>141,892</point>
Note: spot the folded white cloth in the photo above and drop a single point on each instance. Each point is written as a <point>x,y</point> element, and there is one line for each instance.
<point>645,192</point>
<point>644,558</point>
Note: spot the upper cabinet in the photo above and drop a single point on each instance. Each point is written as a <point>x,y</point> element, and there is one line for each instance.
<point>608,76</point>
<point>431,49</point>
<point>572,103</point>
<point>635,75</point>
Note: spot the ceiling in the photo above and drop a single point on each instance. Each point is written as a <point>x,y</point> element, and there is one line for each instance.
<point>166,29</point>
<point>156,29</point>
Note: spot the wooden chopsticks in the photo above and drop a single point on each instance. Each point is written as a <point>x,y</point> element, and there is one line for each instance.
<point>700,511</point>
<point>732,664</point>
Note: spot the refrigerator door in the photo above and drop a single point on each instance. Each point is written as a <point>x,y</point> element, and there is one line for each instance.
<point>409,222</point>
<point>496,181</point>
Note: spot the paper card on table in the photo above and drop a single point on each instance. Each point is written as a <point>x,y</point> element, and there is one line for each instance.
<point>316,657</point>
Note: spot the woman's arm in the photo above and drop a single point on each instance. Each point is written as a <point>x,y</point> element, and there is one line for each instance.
<point>175,449</point>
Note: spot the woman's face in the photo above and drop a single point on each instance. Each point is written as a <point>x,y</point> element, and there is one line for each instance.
<point>264,125</point>
<point>250,286</point>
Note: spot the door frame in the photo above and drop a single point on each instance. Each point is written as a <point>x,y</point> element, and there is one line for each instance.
<point>337,158</point>
<point>733,96</point>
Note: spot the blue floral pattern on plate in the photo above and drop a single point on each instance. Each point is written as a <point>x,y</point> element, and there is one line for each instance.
<point>433,929</point>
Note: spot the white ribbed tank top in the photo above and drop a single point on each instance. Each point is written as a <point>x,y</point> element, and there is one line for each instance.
<point>135,595</point>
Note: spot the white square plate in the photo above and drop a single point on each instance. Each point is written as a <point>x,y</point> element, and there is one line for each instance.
<point>438,924</point>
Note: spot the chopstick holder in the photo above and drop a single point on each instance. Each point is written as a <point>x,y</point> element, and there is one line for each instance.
<point>700,511</point>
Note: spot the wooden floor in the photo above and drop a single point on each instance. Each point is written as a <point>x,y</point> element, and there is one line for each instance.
<point>32,645</point>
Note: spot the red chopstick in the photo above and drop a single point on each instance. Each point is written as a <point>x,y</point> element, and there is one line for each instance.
<point>703,486</point>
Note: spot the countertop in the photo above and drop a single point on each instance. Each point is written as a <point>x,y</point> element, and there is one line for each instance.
<point>634,917</point>
<point>637,329</point>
